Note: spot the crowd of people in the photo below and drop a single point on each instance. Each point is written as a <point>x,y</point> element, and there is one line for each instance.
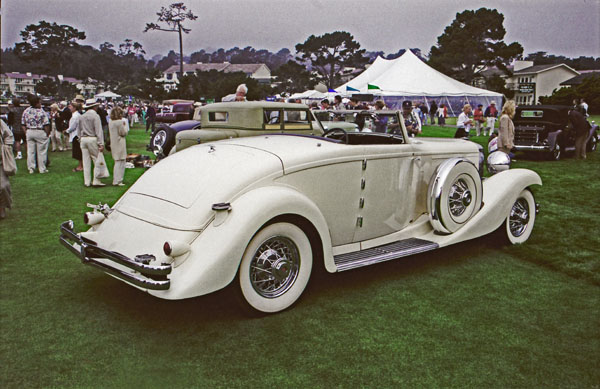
<point>80,126</point>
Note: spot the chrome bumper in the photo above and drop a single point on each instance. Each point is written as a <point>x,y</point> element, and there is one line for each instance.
<point>531,148</point>
<point>149,277</point>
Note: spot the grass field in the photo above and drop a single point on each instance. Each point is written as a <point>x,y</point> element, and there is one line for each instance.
<point>471,315</point>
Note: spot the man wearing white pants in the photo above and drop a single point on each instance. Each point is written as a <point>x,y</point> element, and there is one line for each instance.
<point>91,139</point>
<point>491,113</point>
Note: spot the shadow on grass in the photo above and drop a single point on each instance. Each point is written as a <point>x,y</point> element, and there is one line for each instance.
<point>129,304</point>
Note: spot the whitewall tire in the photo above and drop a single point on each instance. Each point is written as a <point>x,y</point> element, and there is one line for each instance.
<point>455,195</point>
<point>521,218</point>
<point>275,268</point>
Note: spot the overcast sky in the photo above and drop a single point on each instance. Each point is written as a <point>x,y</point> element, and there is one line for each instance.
<point>561,27</point>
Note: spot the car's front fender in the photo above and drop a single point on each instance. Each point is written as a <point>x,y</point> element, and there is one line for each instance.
<point>499,194</point>
<point>215,255</point>
<point>553,138</point>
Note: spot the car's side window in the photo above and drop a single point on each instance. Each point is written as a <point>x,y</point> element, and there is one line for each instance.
<point>296,120</point>
<point>218,117</point>
<point>272,119</point>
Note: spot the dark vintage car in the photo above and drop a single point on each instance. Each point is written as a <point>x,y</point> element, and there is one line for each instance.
<point>176,113</point>
<point>162,139</point>
<point>545,128</point>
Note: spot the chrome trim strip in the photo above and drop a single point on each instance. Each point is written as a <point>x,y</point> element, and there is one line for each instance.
<point>87,251</point>
<point>525,148</point>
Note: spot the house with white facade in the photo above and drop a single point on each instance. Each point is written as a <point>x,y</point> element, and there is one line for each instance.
<point>258,71</point>
<point>22,84</point>
<point>530,82</point>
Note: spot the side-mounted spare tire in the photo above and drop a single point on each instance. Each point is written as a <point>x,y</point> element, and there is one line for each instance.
<point>455,194</point>
<point>162,140</point>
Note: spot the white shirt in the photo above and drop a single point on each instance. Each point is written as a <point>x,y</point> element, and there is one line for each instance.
<point>462,120</point>
<point>73,126</point>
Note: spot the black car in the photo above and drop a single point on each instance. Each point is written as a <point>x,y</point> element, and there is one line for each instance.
<point>545,128</point>
<point>162,139</point>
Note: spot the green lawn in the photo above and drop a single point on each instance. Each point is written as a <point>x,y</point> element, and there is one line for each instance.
<point>471,315</point>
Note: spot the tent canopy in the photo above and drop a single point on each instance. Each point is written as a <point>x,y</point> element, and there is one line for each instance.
<point>409,78</point>
<point>407,75</point>
<point>108,94</point>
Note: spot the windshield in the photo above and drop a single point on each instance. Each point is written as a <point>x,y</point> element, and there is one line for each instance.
<point>385,122</point>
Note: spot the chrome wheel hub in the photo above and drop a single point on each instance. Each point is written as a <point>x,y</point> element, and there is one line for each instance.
<point>274,267</point>
<point>519,217</point>
<point>459,198</point>
<point>160,138</point>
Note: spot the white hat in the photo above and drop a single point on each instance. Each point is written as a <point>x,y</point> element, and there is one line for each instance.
<point>10,101</point>
<point>89,103</point>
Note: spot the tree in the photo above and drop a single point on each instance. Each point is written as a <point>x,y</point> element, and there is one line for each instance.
<point>174,16</point>
<point>473,42</point>
<point>589,89</point>
<point>67,90</point>
<point>150,88</point>
<point>330,53</point>
<point>47,87</point>
<point>293,77</point>
<point>131,48</point>
<point>47,43</point>
<point>497,83</point>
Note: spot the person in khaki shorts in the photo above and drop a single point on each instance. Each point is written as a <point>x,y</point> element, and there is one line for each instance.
<point>36,126</point>
<point>91,139</point>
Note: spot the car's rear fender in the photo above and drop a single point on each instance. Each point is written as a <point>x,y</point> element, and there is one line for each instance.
<point>216,254</point>
<point>188,138</point>
<point>499,194</point>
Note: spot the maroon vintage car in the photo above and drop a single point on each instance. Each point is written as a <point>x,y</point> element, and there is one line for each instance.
<point>176,112</point>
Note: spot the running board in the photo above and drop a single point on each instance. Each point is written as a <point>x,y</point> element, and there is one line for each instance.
<point>399,249</point>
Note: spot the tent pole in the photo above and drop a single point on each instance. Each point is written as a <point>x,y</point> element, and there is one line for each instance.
<point>449,105</point>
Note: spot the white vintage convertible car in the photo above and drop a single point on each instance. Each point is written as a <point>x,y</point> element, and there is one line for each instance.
<point>259,212</point>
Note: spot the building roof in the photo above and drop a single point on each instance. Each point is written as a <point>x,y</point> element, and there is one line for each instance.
<point>221,67</point>
<point>542,68</point>
<point>580,78</point>
<point>244,67</point>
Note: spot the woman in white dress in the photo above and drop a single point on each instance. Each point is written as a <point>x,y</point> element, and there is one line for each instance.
<point>118,130</point>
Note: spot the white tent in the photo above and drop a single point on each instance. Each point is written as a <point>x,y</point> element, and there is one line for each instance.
<point>309,94</point>
<point>409,78</point>
<point>107,94</point>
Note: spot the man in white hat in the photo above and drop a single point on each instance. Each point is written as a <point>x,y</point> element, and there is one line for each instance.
<point>91,139</point>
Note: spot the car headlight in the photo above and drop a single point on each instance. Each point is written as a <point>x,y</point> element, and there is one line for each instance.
<point>498,161</point>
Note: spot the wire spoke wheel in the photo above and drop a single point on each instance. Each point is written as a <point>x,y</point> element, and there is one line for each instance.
<point>521,218</point>
<point>459,198</point>
<point>274,267</point>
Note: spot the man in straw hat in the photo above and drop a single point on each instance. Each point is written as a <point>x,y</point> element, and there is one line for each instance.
<point>91,139</point>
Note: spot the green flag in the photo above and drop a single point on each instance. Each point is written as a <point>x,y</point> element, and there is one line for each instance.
<point>371,86</point>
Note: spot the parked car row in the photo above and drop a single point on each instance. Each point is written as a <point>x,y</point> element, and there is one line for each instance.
<point>256,194</point>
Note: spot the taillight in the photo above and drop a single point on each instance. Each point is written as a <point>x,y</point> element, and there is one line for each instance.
<point>173,248</point>
<point>93,218</point>
<point>167,248</point>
